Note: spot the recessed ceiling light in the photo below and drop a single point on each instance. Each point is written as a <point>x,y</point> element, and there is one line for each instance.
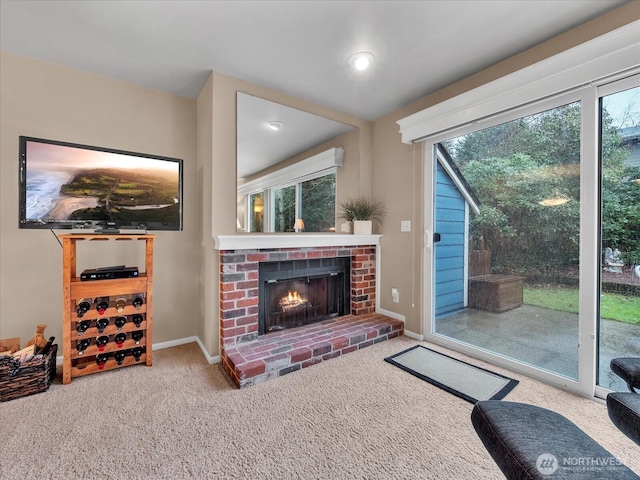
<point>361,60</point>
<point>275,126</point>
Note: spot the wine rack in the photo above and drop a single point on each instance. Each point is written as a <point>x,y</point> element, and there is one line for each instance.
<point>89,344</point>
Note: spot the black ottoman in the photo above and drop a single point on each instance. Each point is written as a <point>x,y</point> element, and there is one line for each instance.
<point>624,412</point>
<point>529,442</point>
<point>628,369</point>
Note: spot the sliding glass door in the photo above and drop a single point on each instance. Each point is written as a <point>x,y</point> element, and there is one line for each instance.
<point>533,220</point>
<point>519,182</point>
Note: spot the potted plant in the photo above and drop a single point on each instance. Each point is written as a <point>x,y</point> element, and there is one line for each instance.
<point>362,212</point>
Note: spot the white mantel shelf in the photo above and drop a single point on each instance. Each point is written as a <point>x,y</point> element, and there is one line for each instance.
<point>257,241</point>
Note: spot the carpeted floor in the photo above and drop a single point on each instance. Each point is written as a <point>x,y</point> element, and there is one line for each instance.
<point>354,417</point>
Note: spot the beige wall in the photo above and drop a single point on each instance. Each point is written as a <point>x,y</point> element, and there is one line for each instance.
<point>48,101</point>
<point>398,177</point>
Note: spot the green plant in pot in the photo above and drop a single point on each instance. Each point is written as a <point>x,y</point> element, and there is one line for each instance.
<point>361,212</point>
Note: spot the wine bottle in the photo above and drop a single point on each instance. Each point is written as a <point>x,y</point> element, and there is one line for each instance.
<point>82,345</point>
<point>119,356</point>
<point>137,320</point>
<point>101,360</point>
<point>137,336</point>
<point>102,304</point>
<point>120,321</point>
<point>137,301</point>
<point>121,302</point>
<point>83,306</point>
<point>119,339</point>
<point>82,326</point>
<point>102,323</point>
<point>137,353</point>
<point>101,342</point>
<point>45,350</point>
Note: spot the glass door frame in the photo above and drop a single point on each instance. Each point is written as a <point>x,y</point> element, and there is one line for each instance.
<point>589,241</point>
<point>600,91</point>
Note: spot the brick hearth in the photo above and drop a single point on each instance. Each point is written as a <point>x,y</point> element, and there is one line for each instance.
<point>250,358</point>
<point>289,350</point>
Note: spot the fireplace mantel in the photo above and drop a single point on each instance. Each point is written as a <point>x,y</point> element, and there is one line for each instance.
<point>257,241</point>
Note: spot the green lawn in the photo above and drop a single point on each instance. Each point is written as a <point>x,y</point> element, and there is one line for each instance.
<point>613,306</point>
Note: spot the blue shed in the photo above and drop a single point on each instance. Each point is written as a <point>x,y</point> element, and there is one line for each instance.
<point>454,199</point>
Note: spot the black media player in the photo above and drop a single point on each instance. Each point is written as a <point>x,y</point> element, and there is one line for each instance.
<point>107,273</point>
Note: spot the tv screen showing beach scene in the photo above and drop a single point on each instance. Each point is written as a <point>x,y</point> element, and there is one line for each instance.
<point>65,185</point>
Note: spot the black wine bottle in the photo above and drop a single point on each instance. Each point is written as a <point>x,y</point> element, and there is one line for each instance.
<point>82,345</point>
<point>119,339</point>
<point>137,353</point>
<point>101,342</point>
<point>137,301</point>
<point>102,304</point>
<point>83,306</point>
<point>119,356</point>
<point>119,322</point>
<point>137,319</point>
<point>82,326</point>
<point>137,336</point>
<point>45,350</point>
<point>101,360</point>
<point>102,323</point>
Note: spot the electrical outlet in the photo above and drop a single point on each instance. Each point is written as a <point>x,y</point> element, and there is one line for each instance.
<point>405,226</point>
<point>395,295</point>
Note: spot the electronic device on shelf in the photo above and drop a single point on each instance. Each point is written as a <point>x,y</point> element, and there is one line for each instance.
<point>106,273</point>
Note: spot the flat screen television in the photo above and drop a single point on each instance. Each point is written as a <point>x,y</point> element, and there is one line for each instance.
<point>69,186</point>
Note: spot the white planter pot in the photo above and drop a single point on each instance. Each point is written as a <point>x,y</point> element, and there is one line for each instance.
<point>346,227</point>
<point>362,227</point>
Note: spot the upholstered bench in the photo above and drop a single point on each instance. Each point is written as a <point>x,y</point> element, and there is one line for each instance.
<point>628,369</point>
<point>529,442</point>
<point>624,412</point>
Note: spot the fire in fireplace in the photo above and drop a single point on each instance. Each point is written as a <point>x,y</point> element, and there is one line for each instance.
<point>301,292</point>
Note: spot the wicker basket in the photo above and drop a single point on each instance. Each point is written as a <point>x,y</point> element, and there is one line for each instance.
<point>22,379</point>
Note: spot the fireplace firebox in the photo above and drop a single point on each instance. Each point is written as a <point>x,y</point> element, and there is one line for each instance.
<point>301,292</point>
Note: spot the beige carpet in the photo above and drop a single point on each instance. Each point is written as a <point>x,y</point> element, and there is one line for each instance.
<point>354,417</point>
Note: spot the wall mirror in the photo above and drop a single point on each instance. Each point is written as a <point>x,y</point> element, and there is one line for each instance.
<point>284,185</point>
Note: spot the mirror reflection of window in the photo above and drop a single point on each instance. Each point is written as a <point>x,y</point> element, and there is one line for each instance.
<point>256,212</point>
<point>263,152</point>
<point>318,204</point>
<point>284,207</point>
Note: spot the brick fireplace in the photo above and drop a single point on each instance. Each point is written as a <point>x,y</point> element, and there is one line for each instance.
<point>249,357</point>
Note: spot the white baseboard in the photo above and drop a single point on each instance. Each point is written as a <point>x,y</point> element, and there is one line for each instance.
<point>415,336</point>
<point>391,314</point>
<point>174,343</point>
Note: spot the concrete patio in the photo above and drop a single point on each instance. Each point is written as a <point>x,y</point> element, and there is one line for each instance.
<point>543,338</point>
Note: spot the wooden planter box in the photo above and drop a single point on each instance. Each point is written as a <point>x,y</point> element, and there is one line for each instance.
<point>495,293</point>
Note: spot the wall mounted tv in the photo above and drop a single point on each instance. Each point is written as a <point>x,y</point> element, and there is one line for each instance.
<point>69,186</point>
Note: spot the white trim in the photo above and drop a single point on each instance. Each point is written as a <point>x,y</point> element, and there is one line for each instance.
<point>415,336</point>
<point>250,241</point>
<point>389,313</point>
<point>601,57</point>
<point>334,157</point>
<point>455,178</point>
<point>172,343</point>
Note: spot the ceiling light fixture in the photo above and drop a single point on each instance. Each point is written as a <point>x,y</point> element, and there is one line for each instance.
<point>275,126</point>
<point>361,60</point>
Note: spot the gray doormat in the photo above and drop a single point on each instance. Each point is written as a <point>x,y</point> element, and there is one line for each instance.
<point>455,376</point>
